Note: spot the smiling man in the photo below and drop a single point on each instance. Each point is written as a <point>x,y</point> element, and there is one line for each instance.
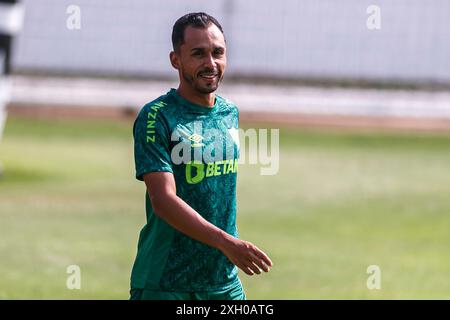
<point>186,150</point>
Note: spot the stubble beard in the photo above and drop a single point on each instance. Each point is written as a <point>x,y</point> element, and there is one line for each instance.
<point>199,88</point>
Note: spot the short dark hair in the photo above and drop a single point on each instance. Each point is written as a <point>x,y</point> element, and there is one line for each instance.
<point>194,19</point>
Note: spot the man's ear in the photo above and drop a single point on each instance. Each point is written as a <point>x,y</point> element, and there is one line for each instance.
<point>174,61</point>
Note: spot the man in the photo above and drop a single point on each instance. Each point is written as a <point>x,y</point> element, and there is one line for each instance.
<point>186,152</point>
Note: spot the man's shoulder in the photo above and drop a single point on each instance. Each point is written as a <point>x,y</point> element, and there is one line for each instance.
<point>227,104</point>
<point>156,115</point>
<point>157,107</point>
<point>159,103</point>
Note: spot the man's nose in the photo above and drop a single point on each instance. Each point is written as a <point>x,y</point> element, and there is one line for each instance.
<point>209,62</point>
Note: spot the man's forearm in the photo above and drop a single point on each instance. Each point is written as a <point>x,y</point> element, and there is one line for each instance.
<point>185,219</point>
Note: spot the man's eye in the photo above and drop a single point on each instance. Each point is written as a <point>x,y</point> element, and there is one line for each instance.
<point>197,54</point>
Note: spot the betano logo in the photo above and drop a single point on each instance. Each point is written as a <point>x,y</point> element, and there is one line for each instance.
<point>196,171</point>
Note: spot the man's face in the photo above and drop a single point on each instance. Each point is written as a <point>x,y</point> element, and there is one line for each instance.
<point>201,59</point>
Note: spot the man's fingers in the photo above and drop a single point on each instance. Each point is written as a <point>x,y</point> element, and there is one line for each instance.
<point>250,259</point>
<point>259,262</point>
<point>254,267</point>
<point>247,270</point>
<point>260,254</point>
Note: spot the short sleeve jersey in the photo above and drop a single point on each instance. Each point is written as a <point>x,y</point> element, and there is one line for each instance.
<point>200,146</point>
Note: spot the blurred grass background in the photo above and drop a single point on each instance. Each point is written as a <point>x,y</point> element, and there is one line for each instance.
<point>342,201</point>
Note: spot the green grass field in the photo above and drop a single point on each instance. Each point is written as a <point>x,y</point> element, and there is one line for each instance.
<point>341,202</point>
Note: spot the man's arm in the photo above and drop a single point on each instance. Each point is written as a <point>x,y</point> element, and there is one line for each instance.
<point>172,209</point>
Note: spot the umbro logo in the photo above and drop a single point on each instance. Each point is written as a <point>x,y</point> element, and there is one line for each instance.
<point>195,138</point>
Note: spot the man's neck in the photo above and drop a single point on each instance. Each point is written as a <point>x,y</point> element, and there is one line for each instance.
<point>206,100</point>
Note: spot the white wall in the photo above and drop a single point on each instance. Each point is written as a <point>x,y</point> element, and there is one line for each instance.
<point>289,38</point>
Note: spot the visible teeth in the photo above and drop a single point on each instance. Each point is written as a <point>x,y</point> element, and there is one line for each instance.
<point>207,74</point>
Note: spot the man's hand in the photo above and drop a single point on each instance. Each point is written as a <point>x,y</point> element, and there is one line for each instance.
<point>245,255</point>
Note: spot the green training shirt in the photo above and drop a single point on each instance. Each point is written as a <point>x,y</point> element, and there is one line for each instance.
<point>200,146</point>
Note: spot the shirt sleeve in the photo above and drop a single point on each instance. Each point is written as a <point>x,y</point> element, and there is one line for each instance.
<point>151,144</point>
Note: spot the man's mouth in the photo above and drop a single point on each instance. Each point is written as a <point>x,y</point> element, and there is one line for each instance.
<point>208,75</point>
